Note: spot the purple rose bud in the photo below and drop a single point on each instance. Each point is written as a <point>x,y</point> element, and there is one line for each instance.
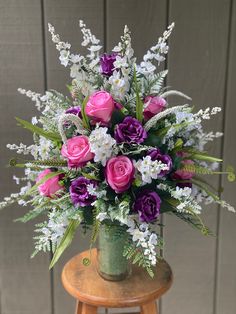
<point>164,158</point>
<point>79,192</point>
<point>130,131</point>
<point>147,204</point>
<point>75,110</point>
<point>152,106</point>
<point>107,63</point>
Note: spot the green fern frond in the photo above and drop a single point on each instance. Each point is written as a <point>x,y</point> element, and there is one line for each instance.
<point>196,169</point>
<point>32,214</point>
<point>155,84</point>
<point>50,162</point>
<point>137,256</point>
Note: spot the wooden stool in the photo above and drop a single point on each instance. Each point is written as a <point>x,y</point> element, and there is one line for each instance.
<point>91,291</point>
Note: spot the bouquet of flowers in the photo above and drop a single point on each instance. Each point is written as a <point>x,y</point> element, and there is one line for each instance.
<point>115,153</point>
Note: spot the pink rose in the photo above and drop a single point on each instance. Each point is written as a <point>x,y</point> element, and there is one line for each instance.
<point>119,173</point>
<point>50,186</point>
<point>183,174</point>
<point>153,105</point>
<point>77,151</point>
<point>100,106</point>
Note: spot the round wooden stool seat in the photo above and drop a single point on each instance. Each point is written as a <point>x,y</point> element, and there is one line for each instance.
<point>86,285</point>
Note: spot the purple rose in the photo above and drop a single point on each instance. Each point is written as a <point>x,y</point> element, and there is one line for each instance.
<point>147,204</point>
<point>164,158</point>
<point>183,185</point>
<point>75,110</point>
<point>130,131</point>
<point>79,192</point>
<point>107,63</point>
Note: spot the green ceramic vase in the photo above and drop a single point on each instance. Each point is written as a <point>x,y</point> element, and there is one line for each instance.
<point>111,263</point>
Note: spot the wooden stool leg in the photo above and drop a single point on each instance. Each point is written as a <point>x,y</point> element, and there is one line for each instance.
<point>149,308</point>
<point>88,309</point>
<point>78,309</point>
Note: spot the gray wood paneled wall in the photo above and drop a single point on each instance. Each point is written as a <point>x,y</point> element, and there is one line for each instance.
<point>201,63</point>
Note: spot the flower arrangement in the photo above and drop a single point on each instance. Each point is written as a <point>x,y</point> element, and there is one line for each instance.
<point>117,151</point>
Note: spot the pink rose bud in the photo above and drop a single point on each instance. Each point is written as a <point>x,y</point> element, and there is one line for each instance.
<point>50,186</point>
<point>100,106</point>
<point>77,151</point>
<point>119,173</point>
<point>153,105</point>
<point>181,174</point>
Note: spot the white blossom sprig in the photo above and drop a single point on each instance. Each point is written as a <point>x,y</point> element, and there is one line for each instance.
<point>156,52</point>
<point>91,42</point>
<point>33,96</point>
<point>101,144</point>
<point>206,114</point>
<point>187,202</point>
<point>66,57</point>
<point>150,169</point>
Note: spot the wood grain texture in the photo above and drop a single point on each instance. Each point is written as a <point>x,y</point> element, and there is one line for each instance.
<point>149,308</point>
<point>226,275</point>
<point>197,62</point>
<point>65,16</point>
<point>24,283</point>
<point>84,283</point>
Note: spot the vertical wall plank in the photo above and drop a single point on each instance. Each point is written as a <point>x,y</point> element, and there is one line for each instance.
<point>226,276</point>
<point>197,62</point>
<point>24,283</point>
<point>145,19</point>
<point>65,15</point>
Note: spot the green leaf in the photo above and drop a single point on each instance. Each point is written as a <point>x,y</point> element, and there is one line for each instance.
<point>65,242</point>
<point>139,103</point>
<point>84,116</point>
<point>178,145</point>
<point>153,140</point>
<point>205,157</point>
<point>35,129</point>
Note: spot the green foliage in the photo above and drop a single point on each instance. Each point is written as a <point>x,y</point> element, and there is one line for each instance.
<point>195,222</point>
<point>136,255</point>
<point>154,85</point>
<point>31,163</point>
<point>84,116</point>
<point>196,169</point>
<point>32,214</point>
<point>95,227</point>
<point>35,129</point>
<point>120,210</point>
<point>50,162</point>
<point>65,242</point>
<point>205,157</point>
<point>231,174</point>
<point>139,103</point>
<point>202,170</point>
<point>49,124</point>
<point>178,145</point>
<point>153,140</point>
